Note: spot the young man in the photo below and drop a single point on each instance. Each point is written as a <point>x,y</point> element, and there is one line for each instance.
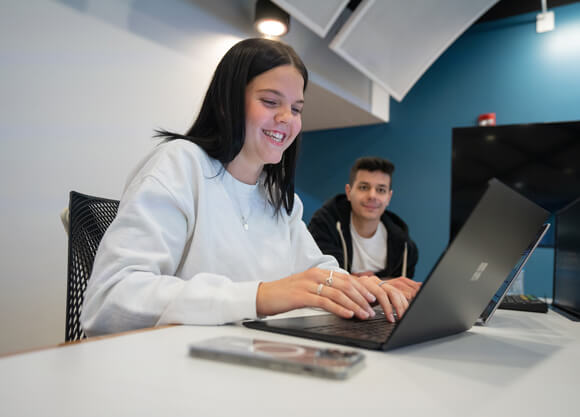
<point>364,237</point>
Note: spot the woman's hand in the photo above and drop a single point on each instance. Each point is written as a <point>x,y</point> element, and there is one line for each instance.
<point>406,286</point>
<point>337,293</point>
<point>389,296</point>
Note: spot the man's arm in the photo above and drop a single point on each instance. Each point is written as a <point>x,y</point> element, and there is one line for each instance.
<point>412,258</point>
<point>323,228</point>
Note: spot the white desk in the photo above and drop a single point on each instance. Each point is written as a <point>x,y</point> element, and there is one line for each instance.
<point>522,364</point>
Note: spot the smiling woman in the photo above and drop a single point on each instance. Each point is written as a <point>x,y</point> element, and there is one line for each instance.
<point>209,230</point>
<point>274,102</point>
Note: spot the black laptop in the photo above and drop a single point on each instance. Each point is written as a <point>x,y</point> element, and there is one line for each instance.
<point>466,276</point>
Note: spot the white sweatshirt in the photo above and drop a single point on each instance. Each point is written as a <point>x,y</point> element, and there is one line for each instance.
<point>177,252</point>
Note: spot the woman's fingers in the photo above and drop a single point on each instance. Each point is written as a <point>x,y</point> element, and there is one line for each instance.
<point>347,292</point>
<point>370,297</point>
<point>330,298</point>
<point>397,299</point>
<point>373,284</point>
<point>385,303</point>
<point>391,299</point>
<point>314,300</point>
<point>406,285</point>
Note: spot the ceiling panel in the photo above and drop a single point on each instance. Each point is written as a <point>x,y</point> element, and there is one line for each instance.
<point>316,15</point>
<point>394,42</point>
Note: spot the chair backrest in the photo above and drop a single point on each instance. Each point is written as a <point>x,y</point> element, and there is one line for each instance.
<point>89,218</point>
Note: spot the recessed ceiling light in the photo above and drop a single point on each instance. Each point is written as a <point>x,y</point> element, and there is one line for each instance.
<point>271,20</point>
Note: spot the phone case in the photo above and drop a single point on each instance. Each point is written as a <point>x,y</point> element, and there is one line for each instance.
<point>289,357</point>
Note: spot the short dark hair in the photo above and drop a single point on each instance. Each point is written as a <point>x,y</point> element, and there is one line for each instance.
<point>221,123</point>
<point>372,163</point>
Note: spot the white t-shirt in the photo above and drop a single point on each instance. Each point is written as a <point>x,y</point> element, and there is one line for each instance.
<point>369,254</point>
<point>178,252</point>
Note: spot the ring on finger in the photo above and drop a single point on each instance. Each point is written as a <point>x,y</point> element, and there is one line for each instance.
<point>382,282</point>
<point>329,279</point>
<point>319,289</point>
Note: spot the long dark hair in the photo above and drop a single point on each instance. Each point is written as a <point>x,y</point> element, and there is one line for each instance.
<point>220,127</point>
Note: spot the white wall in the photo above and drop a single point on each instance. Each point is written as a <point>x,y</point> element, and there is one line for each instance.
<point>83,84</point>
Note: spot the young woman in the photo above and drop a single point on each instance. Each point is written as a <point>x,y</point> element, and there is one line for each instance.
<point>209,230</point>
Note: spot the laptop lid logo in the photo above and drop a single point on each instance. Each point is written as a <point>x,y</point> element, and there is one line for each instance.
<point>477,274</point>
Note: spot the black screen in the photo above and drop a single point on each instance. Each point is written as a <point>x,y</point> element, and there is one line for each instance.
<point>540,161</point>
<point>567,260</point>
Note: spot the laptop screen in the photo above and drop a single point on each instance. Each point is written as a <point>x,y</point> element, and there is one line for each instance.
<point>505,286</point>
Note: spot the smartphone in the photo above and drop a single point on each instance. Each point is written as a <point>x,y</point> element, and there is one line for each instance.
<point>289,357</point>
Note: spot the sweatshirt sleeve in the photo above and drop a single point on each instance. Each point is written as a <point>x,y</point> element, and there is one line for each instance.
<point>133,283</point>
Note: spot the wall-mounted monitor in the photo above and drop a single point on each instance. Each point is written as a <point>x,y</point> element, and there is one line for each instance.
<point>540,160</point>
<point>567,260</point>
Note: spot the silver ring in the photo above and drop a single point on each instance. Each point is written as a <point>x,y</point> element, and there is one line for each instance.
<point>329,279</point>
<point>319,289</point>
<point>382,282</point>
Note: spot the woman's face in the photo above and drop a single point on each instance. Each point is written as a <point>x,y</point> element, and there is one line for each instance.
<point>274,101</point>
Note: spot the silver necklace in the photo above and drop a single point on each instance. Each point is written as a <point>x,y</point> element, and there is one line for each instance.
<point>245,223</point>
<point>232,194</point>
<point>243,217</point>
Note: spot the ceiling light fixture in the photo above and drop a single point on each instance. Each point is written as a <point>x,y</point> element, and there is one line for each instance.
<point>271,20</point>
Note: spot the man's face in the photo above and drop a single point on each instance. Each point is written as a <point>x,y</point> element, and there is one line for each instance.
<point>370,194</point>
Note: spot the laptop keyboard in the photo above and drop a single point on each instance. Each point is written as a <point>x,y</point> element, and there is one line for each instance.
<point>376,328</point>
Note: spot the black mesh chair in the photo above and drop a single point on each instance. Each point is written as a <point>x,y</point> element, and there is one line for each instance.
<point>89,217</point>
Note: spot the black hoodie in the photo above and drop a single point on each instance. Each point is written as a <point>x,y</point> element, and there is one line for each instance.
<point>330,227</point>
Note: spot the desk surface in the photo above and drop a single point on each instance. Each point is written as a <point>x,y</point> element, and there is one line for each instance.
<point>521,364</point>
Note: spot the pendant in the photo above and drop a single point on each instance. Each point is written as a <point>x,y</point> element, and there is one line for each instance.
<point>245,223</point>
<point>246,227</point>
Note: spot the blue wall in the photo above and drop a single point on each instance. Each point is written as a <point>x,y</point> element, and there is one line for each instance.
<point>503,67</point>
